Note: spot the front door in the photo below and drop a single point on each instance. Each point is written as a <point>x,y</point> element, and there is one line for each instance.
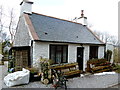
<point>80,57</point>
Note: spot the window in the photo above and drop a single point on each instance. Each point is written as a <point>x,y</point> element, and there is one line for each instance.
<point>59,53</point>
<point>93,52</point>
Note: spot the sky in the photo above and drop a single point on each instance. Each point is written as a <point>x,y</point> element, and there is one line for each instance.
<point>102,15</point>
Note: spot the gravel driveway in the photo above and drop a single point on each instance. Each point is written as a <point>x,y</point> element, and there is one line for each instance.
<point>88,81</point>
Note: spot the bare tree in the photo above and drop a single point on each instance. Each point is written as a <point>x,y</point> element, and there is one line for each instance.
<point>99,34</point>
<point>1,21</point>
<point>114,39</point>
<point>12,25</point>
<point>1,17</point>
<point>106,37</point>
<point>9,26</point>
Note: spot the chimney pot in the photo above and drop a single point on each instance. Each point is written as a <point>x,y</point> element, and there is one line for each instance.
<point>82,13</point>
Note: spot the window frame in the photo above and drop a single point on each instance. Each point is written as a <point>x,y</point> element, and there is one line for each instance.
<point>93,54</point>
<point>62,46</point>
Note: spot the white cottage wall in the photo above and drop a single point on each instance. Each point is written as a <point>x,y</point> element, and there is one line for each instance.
<point>40,49</point>
<point>101,52</point>
<point>72,54</point>
<point>86,56</point>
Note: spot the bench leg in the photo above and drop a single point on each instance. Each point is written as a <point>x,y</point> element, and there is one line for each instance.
<point>65,85</point>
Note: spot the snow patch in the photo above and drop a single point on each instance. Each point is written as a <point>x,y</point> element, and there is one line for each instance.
<point>105,73</point>
<point>17,78</point>
<point>82,75</point>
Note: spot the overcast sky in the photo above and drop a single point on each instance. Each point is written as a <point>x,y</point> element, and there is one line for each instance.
<point>101,14</point>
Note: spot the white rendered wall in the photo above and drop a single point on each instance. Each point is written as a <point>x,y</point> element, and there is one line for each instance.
<point>40,49</point>
<point>101,52</point>
<point>72,54</point>
<point>86,56</point>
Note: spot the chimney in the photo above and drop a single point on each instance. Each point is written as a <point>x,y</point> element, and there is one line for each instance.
<point>26,6</point>
<point>82,19</point>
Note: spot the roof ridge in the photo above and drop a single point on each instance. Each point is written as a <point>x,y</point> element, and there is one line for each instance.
<point>56,18</point>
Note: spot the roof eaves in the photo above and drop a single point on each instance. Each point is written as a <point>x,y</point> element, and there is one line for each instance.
<point>31,27</point>
<point>69,42</point>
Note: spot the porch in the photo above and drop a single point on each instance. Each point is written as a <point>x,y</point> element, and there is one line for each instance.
<point>19,57</point>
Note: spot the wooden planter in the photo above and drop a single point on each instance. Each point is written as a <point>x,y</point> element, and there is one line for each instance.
<point>98,65</point>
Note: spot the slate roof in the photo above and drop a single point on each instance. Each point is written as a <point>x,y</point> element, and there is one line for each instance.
<point>58,30</point>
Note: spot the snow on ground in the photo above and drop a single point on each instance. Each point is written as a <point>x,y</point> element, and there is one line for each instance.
<point>105,73</point>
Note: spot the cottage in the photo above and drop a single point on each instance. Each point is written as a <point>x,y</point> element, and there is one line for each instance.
<point>57,39</point>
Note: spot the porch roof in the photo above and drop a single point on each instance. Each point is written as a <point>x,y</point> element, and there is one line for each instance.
<point>19,47</point>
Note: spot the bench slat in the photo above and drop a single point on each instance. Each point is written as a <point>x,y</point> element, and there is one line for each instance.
<point>72,72</point>
<point>63,66</point>
<point>99,67</point>
<point>67,69</point>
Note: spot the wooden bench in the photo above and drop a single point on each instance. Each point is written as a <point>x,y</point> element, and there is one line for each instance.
<point>98,65</point>
<point>67,69</point>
